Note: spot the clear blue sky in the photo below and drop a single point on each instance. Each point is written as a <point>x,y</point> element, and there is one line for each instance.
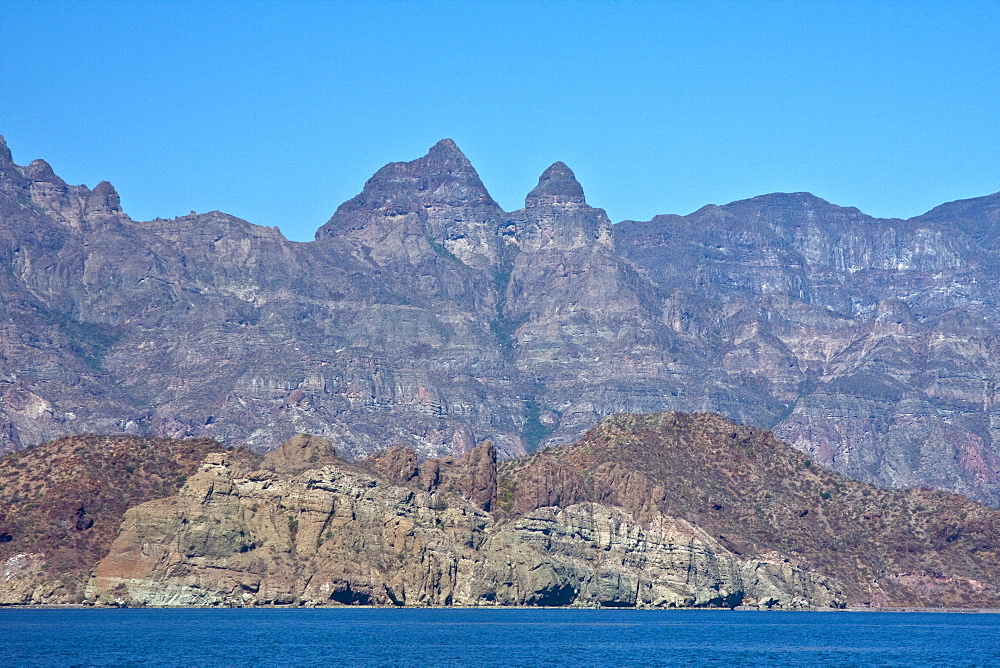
<point>277,112</point>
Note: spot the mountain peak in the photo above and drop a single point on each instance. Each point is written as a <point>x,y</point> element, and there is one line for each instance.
<point>788,208</point>
<point>104,199</point>
<point>443,176</point>
<point>446,149</point>
<point>439,196</point>
<point>105,189</point>
<point>40,170</point>
<point>978,217</point>
<point>9,172</point>
<point>557,185</point>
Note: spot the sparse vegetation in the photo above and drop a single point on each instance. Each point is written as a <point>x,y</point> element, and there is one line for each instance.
<point>66,499</point>
<point>766,495</point>
<point>443,251</point>
<point>534,432</point>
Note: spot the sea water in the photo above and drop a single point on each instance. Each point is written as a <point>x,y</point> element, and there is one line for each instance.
<point>505,637</point>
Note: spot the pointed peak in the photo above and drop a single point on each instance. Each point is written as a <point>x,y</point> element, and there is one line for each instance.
<point>446,146</point>
<point>443,177</point>
<point>104,199</point>
<point>557,185</point>
<point>5,155</point>
<point>39,170</point>
<point>445,154</point>
<point>442,158</point>
<point>105,189</point>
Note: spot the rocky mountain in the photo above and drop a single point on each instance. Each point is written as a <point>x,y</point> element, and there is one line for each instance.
<point>425,316</point>
<point>666,510</point>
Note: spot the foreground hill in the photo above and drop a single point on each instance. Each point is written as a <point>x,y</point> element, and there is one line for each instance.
<point>392,533</point>
<point>756,495</point>
<point>424,315</point>
<point>666,510</point>
<point>61,505</point>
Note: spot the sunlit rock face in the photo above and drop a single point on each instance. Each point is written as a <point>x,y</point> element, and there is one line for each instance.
<point>425,316</point>
<point>307,530</point>
<point>665,510</point>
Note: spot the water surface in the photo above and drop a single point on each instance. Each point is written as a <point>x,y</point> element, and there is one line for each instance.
<point>415,637</point>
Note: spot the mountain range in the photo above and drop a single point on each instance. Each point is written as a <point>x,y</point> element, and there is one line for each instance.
<point>424,315</point>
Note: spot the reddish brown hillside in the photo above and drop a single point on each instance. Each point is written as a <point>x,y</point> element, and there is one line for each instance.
<point>61,504</point>
<point>756,493</point>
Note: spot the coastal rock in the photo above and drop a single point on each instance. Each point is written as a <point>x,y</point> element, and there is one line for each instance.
<point>758,496</point>
<point>61,505</point>
<point>666,510</point>
<point>339,535</point>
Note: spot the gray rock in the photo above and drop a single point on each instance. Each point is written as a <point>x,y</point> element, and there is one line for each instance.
<point>337,535</point>
<point>425,316</point>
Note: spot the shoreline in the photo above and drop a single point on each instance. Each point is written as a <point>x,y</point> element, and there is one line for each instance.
<point>82,606</point>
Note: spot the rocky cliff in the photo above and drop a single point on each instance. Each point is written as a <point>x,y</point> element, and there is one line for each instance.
<point>758,496</point>
<point>667,510</point>
<point>62,503</point>
<point>425,316</point>
<point>339,534</point>
<point>664,510</point>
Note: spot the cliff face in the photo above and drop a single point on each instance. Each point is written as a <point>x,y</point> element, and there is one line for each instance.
<point>343,535</point>
<point>757,495</point>
<point>424,316</point>
<point>61,505</point>
<point>666,510</point>
<point>873,338</point>
<point>661,510</point>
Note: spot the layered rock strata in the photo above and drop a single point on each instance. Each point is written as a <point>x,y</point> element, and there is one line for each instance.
<point>339,534</point>
<point>666,510</point>
<point>425,316</point>
<point>62,503</point>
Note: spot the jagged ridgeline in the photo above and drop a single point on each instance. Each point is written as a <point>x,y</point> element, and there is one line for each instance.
<point>667,510</point>
<point>426,316</point>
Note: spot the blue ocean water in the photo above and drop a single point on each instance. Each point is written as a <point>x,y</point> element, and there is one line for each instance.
<point>547,637</point>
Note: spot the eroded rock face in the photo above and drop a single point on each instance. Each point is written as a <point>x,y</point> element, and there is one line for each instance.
<point>300,453</point>
<point>668,510</point>
<point>871,332</point>
<point>758,496</point>
<point>340,535</point>
<point>62,503</point>
<point>406,207</point>
<point>425,316</point>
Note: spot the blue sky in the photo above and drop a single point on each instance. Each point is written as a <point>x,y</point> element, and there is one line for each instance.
<point>277,112</point>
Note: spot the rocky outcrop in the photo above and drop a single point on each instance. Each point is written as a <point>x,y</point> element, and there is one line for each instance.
<point>667,510</point>
<point>300,453</point>
<point>758,496</point>
<point>398,464</point>
<point>61,505</point>
<point>472,476</point>
<point>341,535</point>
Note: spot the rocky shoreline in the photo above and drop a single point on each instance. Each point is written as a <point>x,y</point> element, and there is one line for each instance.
<point>662,511</point>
